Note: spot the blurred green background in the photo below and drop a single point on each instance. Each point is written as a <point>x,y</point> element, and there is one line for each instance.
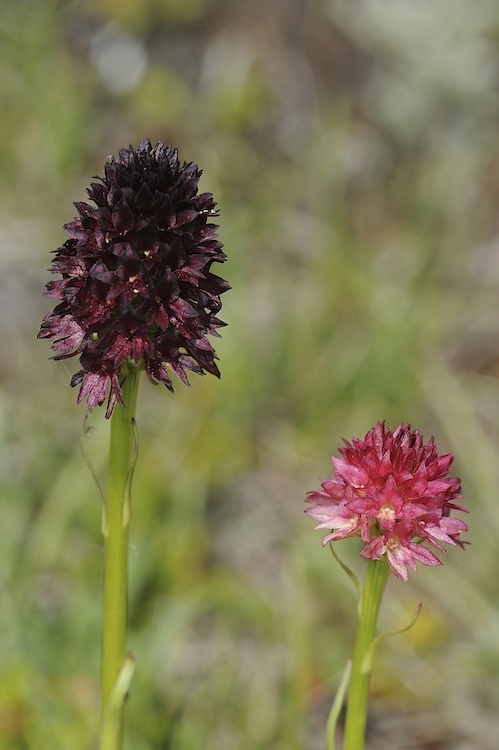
<point>353,149</point>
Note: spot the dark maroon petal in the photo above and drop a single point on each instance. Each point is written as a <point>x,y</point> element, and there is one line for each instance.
<point>100,272</point>
<point>144,199</point>
<point>94,386</point>
<point>122,217</point>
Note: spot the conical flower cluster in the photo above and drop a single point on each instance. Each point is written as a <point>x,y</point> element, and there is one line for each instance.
<point>394,492</point>
<point>136,280</point>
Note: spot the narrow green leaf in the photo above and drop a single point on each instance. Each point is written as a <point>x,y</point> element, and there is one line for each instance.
<point>111,724</point>
<point>334,713</point>
<point>347,570</point>
<point>367,664</point>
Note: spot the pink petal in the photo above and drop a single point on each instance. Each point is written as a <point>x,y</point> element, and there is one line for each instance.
<point>335,488</point>
<point>351,474</point>
<point>375,549</point>
<point>424,555</point>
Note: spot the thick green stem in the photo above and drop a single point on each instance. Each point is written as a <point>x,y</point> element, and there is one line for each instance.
<point>115,528</point>
<point>358,694</point>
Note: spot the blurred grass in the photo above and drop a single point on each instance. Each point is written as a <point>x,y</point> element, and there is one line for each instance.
<point>353,150</point>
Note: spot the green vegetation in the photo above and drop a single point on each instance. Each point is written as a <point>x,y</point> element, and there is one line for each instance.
<point>352,148</point>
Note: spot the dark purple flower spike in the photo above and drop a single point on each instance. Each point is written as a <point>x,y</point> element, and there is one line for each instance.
<point>136,276</point>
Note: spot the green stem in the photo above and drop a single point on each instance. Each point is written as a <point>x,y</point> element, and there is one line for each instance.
<point>115,529</point>
<point>358,694</point>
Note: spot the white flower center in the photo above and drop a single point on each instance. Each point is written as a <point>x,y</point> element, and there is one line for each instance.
<point>386,513</point>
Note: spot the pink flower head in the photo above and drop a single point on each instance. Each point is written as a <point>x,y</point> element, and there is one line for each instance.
<point>394,492</point>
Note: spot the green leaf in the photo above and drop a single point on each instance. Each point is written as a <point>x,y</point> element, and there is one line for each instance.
<point>332,718</point>
<point>347,570</point>
<point>111,725</point>
<point>367,664</point>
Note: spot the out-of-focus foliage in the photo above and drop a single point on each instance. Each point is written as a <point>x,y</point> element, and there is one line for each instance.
<point>352,146</point>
